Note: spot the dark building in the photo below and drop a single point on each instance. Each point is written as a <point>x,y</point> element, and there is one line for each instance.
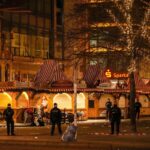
<point>30,31</point>
<point>34,30</point>
<point>100,27</point>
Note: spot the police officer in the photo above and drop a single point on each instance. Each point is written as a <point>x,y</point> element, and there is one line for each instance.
<point>8,114</point>
<point>137,107</point>
<point>108,108</point>
<point>55,118</point>
<point>115,117</point>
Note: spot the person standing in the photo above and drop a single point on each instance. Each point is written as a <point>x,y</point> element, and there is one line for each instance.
<point>55,118</point>
<point>137,107</point>
<point>115,118</point>
<point>8,114</point>
<point>108,108</point>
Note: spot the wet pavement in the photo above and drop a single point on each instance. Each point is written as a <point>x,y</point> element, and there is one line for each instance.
<point>91,135</point>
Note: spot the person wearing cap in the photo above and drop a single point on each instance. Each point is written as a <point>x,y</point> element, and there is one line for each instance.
<point>115,119</point>
<point>108,108</point>
<point>137,107</point>
<point>8,114</point>
<point>55,118</point>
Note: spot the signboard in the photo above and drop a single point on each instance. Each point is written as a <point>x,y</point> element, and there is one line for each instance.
<point>115,75</point>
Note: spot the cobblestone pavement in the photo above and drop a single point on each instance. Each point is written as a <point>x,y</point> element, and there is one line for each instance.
<point>91,135</point>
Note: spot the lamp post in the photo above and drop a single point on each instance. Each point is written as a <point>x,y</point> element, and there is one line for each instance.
<point>75,92</point>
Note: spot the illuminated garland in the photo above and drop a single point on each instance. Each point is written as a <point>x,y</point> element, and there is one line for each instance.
<point>125,8</point>
<point>144,28</point>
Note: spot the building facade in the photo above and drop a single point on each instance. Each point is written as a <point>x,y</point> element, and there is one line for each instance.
<point>30,32</point>
<point>37,30</point>
<point>33,31</point>
<point>94,32</point>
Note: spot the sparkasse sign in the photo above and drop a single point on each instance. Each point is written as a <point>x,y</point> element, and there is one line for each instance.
<point>110,74</point>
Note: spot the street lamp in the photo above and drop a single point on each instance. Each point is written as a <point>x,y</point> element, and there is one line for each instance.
<point>75,92</point>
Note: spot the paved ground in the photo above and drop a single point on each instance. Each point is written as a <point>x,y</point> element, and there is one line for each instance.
<point>91,135</point>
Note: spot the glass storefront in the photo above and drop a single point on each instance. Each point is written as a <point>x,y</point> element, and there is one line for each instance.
<point>26,32</point>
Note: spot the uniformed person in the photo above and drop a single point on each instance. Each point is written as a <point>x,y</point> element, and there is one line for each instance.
<point>55,118</point>
<point>115,117</point>
<point>137,107</point>
<point>108,108</point>
<point>8,114</point>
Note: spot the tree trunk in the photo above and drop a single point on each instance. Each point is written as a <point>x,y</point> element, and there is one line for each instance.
<point>132,101</point>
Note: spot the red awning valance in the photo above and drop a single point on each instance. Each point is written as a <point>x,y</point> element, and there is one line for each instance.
<point>49,72</point>
<point>91,74</point>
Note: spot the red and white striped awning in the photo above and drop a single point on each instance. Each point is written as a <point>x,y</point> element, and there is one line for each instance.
<point>146,81</point>
<point>49,72</point>
<point>91,74</point>
<point>148,84</point>
<point>139,84</point>
<point>138,81</point>
<point>102,77</point>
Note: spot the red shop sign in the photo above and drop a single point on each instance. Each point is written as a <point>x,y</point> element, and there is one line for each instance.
<point>110,74</point>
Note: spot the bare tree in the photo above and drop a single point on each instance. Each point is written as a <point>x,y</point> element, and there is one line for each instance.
<point>135,31</point>
<point>128,24</point>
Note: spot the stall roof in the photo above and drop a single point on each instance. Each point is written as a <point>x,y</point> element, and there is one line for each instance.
<point>102,77</point>
<point>49,72</point>
<point>91,74</point>
<point>139,84</point>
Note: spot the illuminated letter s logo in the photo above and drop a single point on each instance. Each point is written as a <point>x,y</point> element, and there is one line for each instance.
<point>108,73</point>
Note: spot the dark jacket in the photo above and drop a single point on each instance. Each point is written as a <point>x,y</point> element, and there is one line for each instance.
<point>115,114</point>
<point>137,106</point>
<point>8,114</point>
<point>55,115</point>
<point>108,105</point>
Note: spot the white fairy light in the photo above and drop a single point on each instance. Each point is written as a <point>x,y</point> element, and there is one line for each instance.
<point>144,27</point>
<point>127,30</point>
